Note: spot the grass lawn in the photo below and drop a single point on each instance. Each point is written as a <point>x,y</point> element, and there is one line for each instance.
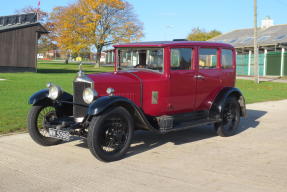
<point>15,91</point>
<point>265,91</point>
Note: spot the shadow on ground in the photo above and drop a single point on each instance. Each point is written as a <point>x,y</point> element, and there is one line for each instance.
<point>145,140</point>
<point>251,121</point>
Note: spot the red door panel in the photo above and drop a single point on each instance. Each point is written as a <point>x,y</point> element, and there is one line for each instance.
<point>208,85</point>
<point>182,91</point>
<point>182,82</point>
<point>208,77</point>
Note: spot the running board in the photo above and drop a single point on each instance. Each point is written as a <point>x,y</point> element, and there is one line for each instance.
<point>169,123</point>
<point>188,125</point>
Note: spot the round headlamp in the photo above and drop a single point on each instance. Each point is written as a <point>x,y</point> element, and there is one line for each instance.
<point>89,95</point>
<point>54,91</point>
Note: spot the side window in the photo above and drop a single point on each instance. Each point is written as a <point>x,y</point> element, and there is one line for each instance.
<point>181,58</point>
<point>226,58</point>
<point>207,58</point>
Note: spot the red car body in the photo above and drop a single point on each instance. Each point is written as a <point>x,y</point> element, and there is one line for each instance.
<point>178,91</point>
<point>158,86</point>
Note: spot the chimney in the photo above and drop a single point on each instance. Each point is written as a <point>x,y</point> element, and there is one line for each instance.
<point>267,22</point>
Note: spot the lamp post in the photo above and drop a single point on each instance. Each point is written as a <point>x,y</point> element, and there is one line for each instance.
<point>256,67</point>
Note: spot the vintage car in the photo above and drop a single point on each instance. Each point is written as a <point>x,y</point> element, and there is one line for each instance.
<point>156,86</point>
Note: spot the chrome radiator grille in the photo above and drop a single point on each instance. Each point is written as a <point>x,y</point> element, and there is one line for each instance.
<point>78,109</point>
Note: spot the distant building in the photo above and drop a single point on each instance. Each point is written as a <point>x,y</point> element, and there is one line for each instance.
<point>272,43</point>
<point>19,36</point>
<point>267,22</point>
<point>110,56</point>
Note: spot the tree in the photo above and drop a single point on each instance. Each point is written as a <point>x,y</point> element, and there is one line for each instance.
<point>95,24</point>
<point>42,15</point>
<point>63,29</point>
<point>46,42</point>
<point>198,34</point>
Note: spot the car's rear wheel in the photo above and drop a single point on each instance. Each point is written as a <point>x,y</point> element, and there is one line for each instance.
<point>38,118</point>
<point>110,134</point>
<point>230,118</point>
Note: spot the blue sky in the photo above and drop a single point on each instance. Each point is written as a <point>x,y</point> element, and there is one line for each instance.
<point>170,19</point>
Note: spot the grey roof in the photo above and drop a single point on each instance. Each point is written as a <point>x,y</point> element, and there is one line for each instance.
<point>273,35</point>
<point>18,19</point>
<point>20,26</point>
<point>13,22</point>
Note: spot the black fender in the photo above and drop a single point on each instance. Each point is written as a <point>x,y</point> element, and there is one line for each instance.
<point>43,95</point>
<point>38,96</point>
<point>215,111</point>
<point>64,103</point>
<point>104,103</point>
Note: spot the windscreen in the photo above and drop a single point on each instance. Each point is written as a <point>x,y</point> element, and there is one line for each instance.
<point>140,58</point>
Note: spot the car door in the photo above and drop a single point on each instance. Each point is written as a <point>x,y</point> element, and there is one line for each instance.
<point>182,82</point>
<point>208,82</point>
<point>228,59</point>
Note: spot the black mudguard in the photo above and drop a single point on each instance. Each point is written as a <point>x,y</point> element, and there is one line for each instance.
<point>43,95</point>
<point>215,111</point>
<point>38,96</point>
<point>104,103</point>
<point>64,103</point>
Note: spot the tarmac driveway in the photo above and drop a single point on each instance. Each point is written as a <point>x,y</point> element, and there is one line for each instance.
<point>192,160</point>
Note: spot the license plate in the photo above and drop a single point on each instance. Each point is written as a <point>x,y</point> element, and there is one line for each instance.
<point>59,134</point>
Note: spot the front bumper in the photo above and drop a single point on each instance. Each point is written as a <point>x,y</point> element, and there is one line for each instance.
<point>68,125</point>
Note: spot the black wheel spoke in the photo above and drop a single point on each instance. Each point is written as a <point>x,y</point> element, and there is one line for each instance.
<point>110,134</point>
<point>115,134</point>
<point>45,115</point>
<point>38,126</point>
<point>230,118</point>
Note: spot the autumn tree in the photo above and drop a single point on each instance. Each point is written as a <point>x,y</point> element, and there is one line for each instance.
<point>95,24</point>
<point>198,34</point>
<point>63,29</point>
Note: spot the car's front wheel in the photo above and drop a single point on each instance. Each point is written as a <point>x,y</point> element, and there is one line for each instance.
<point>230,118</point>
<point>110,134</point>
<point>38,120</point>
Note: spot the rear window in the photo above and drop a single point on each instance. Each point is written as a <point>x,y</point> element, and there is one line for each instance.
<point>226,58</point>
<point>207,58</point>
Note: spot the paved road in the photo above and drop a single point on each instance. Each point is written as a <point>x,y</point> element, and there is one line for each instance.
<point>192,160</point>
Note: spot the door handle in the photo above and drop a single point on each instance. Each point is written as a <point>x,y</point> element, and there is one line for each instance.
<point>199,77</point>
